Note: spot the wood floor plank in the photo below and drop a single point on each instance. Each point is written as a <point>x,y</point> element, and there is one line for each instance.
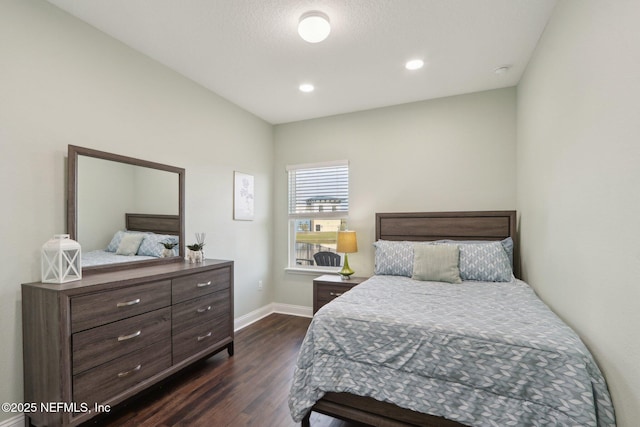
<point>249,389</point>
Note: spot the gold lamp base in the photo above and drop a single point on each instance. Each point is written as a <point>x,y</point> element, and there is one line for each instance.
<point>346,271</point>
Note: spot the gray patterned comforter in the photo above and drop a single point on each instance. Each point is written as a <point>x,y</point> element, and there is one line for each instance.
<point>482,354</point>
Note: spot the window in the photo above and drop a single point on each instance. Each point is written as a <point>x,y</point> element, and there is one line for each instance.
<point>318,209</point>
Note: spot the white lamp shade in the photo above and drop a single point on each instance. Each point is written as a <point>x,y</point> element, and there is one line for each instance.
<point>314,27</point>
<point>61,260</point>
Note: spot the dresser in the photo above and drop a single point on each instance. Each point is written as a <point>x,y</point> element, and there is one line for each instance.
<point>329,287</point>
<point>92,343</point>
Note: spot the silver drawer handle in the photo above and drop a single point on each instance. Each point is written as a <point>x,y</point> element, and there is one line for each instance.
<point>128,303</point>
<point>202,285</point>
<point>335,294</point>
<point>204,336</point>
<point>202,310</point>
<point>125,373</point>
<point>128,337</point>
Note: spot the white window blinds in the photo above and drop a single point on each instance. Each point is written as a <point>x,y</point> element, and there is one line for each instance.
<point>319,190</point>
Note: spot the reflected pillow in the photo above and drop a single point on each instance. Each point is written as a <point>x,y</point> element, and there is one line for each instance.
<point>152,244</point>
<point>129,244</point>
<point>436,263</point>
<point>115,241</point>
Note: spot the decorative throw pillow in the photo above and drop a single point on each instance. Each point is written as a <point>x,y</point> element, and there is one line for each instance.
<point>152,244</point>
<point>393,258</point>
<point>115,241</point>
<point>436,263</point>
<point>129,244</point>
<point>487,262</point>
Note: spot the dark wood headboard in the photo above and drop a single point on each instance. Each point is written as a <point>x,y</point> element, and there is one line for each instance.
<point>161,224</point>
<point>471,225</point>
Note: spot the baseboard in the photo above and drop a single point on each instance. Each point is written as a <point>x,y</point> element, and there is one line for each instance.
<point>294,310</point>
<point>255,315</point>
<point>16,421</point>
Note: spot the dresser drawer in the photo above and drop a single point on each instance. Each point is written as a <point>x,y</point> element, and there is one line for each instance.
<point>200,310</point>
<point>96,346</point>
<point>106,381</point>
<point>196,285</point>
<point>199,338</point>
<point>97,309</point>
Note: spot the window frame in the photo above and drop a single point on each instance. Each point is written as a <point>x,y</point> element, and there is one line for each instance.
<point>329,215</point>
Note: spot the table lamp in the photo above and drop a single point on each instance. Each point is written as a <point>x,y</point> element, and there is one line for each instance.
<point>347,244</point>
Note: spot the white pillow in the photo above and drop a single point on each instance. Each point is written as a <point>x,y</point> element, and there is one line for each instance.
<point>129,244</point>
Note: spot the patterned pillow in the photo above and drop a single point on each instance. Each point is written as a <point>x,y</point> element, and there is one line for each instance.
<point>152,244</point>
<point>487,262</point>
<point>507,244</point>
<point>115,241</point>
<point>394,258</point>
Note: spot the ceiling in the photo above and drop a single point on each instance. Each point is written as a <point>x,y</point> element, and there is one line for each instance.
<point>249,51</point>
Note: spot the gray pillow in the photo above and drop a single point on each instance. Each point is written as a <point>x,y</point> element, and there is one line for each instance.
<point>115,241</point>
<point>487,262</point>
<point>152,244</point>
<point>507,244</point>
<point>436,263</point>
<point>129,244</point>
<point>393,258</point>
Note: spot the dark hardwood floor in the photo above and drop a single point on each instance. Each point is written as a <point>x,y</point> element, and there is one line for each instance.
<point>248,389</point>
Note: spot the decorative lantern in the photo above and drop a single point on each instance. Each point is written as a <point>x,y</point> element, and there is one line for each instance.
<point>61,260</point>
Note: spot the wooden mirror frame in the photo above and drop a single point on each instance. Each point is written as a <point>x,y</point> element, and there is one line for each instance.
<point>72,202</point>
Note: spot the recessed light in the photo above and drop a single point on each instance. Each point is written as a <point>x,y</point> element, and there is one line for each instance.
<point>501,71</point>
<point>414,64</point>
<point>306,87</point>
<point>314,26</point>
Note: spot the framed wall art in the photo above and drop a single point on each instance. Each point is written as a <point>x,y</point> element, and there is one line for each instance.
<point>243,196</point>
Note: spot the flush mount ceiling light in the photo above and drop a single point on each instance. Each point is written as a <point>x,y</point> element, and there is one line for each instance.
<point>414,64</point>
<point>314,26</point>
<point>306,87</point>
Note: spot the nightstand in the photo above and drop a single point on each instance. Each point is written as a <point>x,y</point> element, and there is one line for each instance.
<point>330,287</point>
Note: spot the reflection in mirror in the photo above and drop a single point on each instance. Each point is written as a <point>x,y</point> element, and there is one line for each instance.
<point>109,194</point>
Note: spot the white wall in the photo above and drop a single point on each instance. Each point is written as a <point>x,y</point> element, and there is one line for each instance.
<point>455,153</point>
<point>105,194</point>
<point>63,82</point>
<point>157,191</point>
<point>579,181</point>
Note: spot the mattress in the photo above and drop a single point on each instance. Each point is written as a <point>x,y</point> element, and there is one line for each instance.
<point>482,354</point>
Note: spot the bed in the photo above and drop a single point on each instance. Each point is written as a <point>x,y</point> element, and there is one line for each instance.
<point>395,351</point>
<point>156,230</point>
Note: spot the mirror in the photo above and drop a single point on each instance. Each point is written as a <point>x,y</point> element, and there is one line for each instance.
<point>109,193</point>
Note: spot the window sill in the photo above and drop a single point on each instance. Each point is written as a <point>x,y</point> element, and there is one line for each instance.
<point>312,271</point>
